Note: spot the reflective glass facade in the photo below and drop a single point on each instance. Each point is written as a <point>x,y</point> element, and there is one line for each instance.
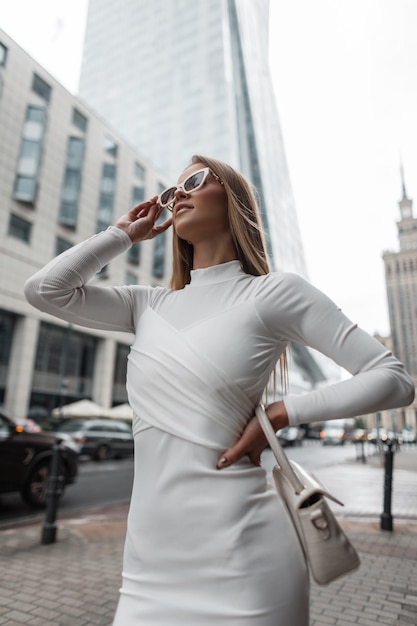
<point>184,77</point>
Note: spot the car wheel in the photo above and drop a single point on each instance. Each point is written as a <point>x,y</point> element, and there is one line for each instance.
<point>102,453</point>
<point>35,491</point>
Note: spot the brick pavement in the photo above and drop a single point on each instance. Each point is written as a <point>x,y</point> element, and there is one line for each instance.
<point>72,582</point>
<point>75,581</point>
<point>383,590</point>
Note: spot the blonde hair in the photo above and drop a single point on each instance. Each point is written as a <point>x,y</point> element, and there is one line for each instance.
<point>246,229</point>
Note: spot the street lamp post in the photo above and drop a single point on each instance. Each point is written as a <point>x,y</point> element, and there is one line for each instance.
<point>386,517</point>
<point>52,496</point>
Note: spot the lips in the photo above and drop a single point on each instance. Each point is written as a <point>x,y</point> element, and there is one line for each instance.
<point>180,207</point>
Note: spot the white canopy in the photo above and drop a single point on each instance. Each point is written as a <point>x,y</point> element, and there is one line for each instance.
<point>81,408</point>
<point>120,412</point>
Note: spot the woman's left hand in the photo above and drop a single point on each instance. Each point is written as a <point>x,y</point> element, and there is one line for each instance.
<point>252,441</point>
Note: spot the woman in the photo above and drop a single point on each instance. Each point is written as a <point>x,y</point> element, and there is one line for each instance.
<point>208,541</point>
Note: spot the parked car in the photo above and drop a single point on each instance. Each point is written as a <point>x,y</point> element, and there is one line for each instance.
<point>100,439</point>
<point>312,431</point>
<point>290,436</point>
<point>333,434</point>
<point>25,458</point>
<point>28,424</point>
<point>409,435</point>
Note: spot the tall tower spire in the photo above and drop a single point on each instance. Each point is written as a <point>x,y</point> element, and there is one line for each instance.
<point>403,180</point>
<point>405,204</point>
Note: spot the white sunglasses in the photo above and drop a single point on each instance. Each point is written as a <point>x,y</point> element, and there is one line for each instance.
<point>192,183</point>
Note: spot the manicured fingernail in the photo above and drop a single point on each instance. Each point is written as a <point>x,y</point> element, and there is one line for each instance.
<point>222,461</point>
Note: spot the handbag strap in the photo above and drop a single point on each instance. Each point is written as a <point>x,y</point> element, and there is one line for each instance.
<point>277,449</point>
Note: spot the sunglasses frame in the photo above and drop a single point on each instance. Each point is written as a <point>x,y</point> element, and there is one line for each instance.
<point>170,205</point>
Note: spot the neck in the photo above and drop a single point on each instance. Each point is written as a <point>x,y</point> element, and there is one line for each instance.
<point>211,253</point>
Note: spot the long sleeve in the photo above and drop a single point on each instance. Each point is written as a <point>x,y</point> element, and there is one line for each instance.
<point>293,310</point>
<point>60,287</point>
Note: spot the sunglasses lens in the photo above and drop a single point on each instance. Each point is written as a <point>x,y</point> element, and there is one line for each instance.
<point>167,196</point>
<point>194,181</point>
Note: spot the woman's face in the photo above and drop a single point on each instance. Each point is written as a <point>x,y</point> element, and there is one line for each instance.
<point>202,214</point>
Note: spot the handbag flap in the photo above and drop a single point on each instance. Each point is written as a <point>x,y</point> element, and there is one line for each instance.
<point>311,485</point>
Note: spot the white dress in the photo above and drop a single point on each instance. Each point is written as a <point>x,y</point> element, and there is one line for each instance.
<point>204,546</point>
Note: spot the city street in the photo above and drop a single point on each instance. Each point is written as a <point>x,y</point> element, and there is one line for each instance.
<point>358,485</point>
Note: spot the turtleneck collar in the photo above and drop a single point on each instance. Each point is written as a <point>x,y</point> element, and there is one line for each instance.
<point>216,274</point>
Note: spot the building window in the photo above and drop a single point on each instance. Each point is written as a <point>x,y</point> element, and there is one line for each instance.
<point>64,360</point>
<point>36,115</point>
<point>107,193</point>
<point>119,380</point>
<point>30,156</point>
<point>111,147</point>
<point>25,189</point>
<point>133,255</point>
<point>159,248</point>
<point>3,54</point>
<point>139,171</point>
<point>19,228</point>
<point>79,120</point>
<point>61,245</point>
<point>138,195</point>
<point>42,88</point>
<point>70,194</point>
<point>7,325</point>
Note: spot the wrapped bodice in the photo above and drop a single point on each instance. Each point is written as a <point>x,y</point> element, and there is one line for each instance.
<point>177,384</point>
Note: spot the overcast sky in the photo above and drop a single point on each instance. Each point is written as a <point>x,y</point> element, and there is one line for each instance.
<point>345,76</point>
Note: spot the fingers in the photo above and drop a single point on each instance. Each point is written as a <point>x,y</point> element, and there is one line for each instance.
<point>227,458</point>
<point>161,228</point>
<point>232,455</point>
<point>146,204</point>
<point>251,443</point>
<point>140,222</point>
<point>236,452</point>
<point>143,207</point>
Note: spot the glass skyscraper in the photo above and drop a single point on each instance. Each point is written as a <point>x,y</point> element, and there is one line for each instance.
<point>179,77</point>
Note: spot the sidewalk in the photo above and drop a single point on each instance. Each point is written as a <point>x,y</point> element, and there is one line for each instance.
<point>75,581</point>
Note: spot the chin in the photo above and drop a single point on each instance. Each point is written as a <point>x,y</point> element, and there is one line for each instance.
<point>184,233</point>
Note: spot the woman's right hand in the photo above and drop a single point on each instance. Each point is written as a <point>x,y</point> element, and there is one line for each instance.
<point>140,222</point>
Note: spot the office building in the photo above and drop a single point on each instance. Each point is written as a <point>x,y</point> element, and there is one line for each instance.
<point>64,175</point>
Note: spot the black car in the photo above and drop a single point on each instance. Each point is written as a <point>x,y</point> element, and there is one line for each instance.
<point>25,458</point>
<point>100,439</point>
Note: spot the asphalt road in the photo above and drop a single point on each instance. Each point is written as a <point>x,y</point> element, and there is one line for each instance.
<point>98,484</point>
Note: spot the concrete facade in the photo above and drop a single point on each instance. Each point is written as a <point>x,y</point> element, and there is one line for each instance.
<point>57,160</point>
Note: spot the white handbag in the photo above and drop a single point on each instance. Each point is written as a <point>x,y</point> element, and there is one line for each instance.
<point>327,549</point>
